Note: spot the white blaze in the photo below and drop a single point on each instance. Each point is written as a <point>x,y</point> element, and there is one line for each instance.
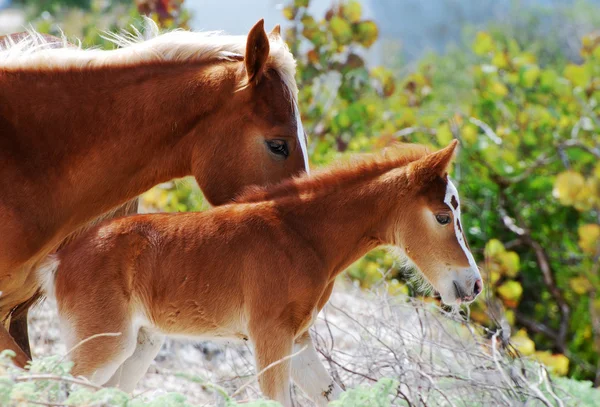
<point>301,138</point>
<point>451,191</point>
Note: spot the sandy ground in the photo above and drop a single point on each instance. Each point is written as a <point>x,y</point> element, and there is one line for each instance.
<point>437,358</point>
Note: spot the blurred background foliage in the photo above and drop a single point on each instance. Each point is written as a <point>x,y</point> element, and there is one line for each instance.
<point>523,105</point>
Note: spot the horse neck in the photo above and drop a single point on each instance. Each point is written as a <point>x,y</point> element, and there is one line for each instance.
<point>97,138</point>
<point>345,224</point>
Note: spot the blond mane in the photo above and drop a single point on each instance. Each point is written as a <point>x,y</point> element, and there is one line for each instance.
<point>34,51</point>
<point>358,168</point>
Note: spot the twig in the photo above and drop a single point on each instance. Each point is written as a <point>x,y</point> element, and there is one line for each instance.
<point>498,366</point>
<point>47,403</point>
<point>56,378</point>
<point>595,151</point>
<point>487,130</point>
<point>536,326</point>
<point>331,360</point>
<point>411,130</point>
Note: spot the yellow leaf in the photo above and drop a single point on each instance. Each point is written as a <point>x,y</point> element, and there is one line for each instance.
<point>397,288</point>
<point>480,317</point>
<point>567,186</point>
<point>511,292</point>
<point>344,120</point>
<point>341,30</point>
<point>580,285</point>
<point>500,60</point>
<point>531,75</point>
<point>409,117</point>
<point>597,169</point>
<point>510,316</point>
<point>557,364</point>
<point>483,43</point>
<point>367,33</point>
<point>586,198</point>
<point>469,134</point>
<point>499,89</point>
<point>444,134</point>
<point>352,11</point>
<point>289,13</point>
<point>589,238</point>
<point>523,343</point>
<point>493,248</point>
<point>564,122</point>
<point>511,263</point>
<point>493,276</point>
<point>577,74</point>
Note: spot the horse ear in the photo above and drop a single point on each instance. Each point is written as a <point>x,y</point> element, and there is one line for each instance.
<point>257,52</point>
<point>436,164</point>
<point>276,31</point>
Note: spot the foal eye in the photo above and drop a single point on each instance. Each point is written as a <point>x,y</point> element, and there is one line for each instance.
<point>442,219</point>
<point>278,147</point>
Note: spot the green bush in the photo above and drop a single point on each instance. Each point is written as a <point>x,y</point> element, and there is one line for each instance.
<point>528,169</point>
<point>48,382</point>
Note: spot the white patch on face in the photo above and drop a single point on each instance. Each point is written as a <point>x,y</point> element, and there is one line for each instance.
<point>301,138</point>
<point>451,191</point>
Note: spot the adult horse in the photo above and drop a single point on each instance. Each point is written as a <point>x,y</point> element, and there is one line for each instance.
<point>82,132</point>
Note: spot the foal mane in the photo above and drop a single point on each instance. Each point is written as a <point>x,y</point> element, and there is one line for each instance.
<point>36,51</point>
<point>358,168</point>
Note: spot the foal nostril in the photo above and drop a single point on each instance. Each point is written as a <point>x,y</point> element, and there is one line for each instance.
<point>478,287</point>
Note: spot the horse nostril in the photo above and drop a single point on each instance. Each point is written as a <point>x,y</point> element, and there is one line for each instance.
<point>478,286</point>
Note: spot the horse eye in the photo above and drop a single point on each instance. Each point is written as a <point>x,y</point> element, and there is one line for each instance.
<point>279,147</point>
<point>442,219</point>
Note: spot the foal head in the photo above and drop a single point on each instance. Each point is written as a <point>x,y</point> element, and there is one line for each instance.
<point>431,233</point>
<point>258,134</point>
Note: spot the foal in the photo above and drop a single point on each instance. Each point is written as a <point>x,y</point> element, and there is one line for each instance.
<point>259,269</point>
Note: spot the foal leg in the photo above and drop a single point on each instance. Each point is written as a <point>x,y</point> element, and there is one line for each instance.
<point>310,375</point>
<point>99,358</point>
<point>270,346</point>
<point>136,366</point>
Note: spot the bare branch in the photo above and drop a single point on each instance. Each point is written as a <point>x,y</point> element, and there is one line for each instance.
<point>71,380</point>
<point>543,262</point>
<point>487,130</point>
<point>574,143</point>
<point>411,130</point>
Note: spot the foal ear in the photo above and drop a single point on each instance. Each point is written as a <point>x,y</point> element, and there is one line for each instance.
<point>275,32</point>
<point>436,164</point>
<point>257,52</point>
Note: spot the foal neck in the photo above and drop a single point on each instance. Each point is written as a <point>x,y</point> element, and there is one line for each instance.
<point>346,223</point>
